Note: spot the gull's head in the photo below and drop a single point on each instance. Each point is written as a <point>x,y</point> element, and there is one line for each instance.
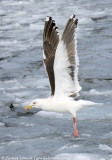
<point>34,104</point>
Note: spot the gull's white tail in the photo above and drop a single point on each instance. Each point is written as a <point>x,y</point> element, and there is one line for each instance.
<point>90,103</point>
<point>83,103</point>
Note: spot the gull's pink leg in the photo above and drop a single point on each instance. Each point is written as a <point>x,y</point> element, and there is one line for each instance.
<point>76,133</point>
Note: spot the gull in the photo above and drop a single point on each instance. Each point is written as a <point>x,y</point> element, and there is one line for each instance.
<point>61,62</point>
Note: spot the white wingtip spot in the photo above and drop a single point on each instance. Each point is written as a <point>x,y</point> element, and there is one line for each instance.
<point>44,56</point>
<point>47,18</point>
<point>72,16</point>
<point>57,30</point>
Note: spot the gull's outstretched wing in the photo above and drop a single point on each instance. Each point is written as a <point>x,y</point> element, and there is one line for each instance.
<point>66,62</point>
<point>50,42</point>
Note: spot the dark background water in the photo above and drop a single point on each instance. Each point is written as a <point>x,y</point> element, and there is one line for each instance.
<point>23,78</point>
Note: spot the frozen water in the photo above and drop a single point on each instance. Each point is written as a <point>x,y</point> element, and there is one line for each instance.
<point>80,156</point>
<point>105,148</point>
<point>23,78</point>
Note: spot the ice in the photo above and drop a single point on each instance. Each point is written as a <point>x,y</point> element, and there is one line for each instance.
<point>66,147</point>
<point>2,13</point>
<point>13,3</point>
<point>1,124</point>
<point>23,78</point>
<point>36,27</point>
<point>8,43</point>
<point>50,114</point>
<point>105,148</point>
<point>80,156</point>
<point>95,92</point>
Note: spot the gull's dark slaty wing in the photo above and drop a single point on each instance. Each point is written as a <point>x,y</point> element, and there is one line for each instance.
<point>69,40</point>
<point>50,42</point>
<point>66,62</point>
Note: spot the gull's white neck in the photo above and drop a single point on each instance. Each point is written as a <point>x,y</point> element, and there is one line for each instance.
<point>44,104</point>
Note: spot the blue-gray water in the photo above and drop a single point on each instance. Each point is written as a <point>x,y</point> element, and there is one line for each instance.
<point>23,78</point>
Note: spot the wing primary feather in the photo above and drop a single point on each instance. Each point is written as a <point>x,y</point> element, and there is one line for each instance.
<point>55,37</point>
<point>66,61</point>
<point>45,27</point>
<point>50,42</point>
<point>48,28</point>
<point>72,16</point>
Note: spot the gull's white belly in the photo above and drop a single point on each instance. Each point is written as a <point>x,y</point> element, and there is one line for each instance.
<point>58,108</point>
<point>60,105</point>
<point>64,104</point>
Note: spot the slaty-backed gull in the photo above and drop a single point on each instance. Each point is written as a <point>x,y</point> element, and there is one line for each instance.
<point>61,63</point>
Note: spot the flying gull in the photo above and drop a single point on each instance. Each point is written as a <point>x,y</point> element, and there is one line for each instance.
<point>61,63</point>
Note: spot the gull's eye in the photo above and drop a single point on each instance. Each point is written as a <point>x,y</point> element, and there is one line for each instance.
<point>34,102</point>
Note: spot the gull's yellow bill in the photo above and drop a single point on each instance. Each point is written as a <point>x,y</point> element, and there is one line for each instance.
<point>28,107</point>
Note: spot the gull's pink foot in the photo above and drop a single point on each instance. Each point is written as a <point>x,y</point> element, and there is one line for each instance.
<point>76,133</point>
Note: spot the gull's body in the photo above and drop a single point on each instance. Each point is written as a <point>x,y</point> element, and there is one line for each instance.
<point>61,63</point>
<point>63,104</point>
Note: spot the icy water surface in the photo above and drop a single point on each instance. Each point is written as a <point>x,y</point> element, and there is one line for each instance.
<point>23,78</point>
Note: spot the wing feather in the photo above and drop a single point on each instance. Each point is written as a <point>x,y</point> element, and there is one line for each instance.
<point>50,42</point>
<point>66,62</point>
